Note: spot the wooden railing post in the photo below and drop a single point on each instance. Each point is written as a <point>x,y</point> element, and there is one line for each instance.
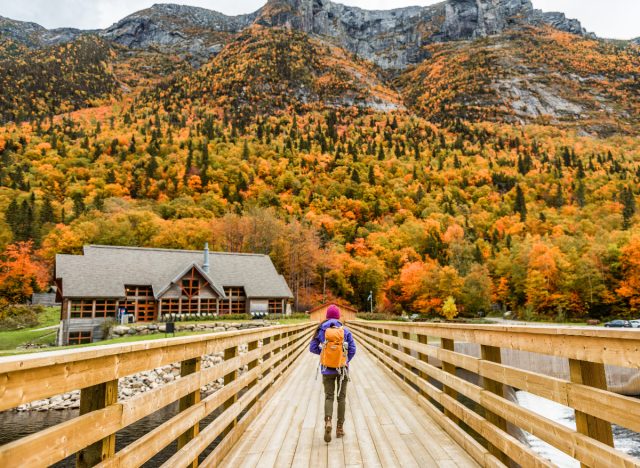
<point>94,398</point>
<point>406,336</point>
<point>266,341</point>
<point>230,353</point>
<point>449,345</point>
<point>492,353</point>
<point>424,339</point>
<point>253,345</point>
<point>594,375</point>
<point>187,367</point>
<point>394,333</point>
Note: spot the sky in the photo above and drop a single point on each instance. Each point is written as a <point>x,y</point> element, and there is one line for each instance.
<point>607,18</point>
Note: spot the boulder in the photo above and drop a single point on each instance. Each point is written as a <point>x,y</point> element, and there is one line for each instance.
<point>120,330</point>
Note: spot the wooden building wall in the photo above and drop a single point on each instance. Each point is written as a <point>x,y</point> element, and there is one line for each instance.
<point>319,313</point>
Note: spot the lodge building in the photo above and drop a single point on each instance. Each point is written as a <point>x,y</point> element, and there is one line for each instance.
<point>154,284</point>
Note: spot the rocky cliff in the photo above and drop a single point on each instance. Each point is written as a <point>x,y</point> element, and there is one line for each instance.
<point>392,39</point>
<point>196,33</point>
<point>33,35</point>
<point>396,38</point>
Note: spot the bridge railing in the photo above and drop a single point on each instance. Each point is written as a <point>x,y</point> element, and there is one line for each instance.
<point>479,416</point>
<point>250,378</point>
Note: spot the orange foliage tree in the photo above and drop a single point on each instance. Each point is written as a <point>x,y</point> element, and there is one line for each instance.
<point>630,284</point>
<point>21,273</point>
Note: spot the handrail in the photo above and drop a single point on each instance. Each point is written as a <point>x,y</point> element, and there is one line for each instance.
<point>405,351</point>
<point>96,371</point>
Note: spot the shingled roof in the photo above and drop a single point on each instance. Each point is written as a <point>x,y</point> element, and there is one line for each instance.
<point>103,271</point>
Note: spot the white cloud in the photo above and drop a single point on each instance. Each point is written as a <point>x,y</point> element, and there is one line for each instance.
<point>613,18</point>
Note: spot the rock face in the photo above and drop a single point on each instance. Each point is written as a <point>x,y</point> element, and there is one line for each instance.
<point>393,39</point>
<point>33,35</point>
<point>636,41</point>
<point>189,31</point>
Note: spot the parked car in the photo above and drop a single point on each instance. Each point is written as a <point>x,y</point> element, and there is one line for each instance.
<point>635,323</point>
<point>618,324</point>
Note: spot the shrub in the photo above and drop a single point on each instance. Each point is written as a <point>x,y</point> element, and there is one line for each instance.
<point>234,317</point>
<point>107,326</point>
<point>300,315</point>
<point>15,317</point>
<point>376,316</point>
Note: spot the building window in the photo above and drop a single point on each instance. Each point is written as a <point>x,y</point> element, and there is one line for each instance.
<point>170,306</point>
<point>275,306</point>
<point>79,337</point>
<point>234,292</point>
<point>105,309</point>
<point>189,306</point>
<point>190,286</point>
<point>208,306</point>
<point>138,291</point>
<point>81,309</point>
<point>236,302</point>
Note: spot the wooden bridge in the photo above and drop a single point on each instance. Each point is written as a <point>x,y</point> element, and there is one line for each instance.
<point>413,399</point>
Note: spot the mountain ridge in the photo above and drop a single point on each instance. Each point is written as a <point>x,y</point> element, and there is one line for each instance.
<point>392,39</point>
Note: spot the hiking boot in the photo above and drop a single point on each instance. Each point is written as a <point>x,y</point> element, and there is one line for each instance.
<point>327,429</point>
<point>339,430</point>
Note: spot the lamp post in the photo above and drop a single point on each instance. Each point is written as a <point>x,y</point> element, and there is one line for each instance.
<point>370,299</point>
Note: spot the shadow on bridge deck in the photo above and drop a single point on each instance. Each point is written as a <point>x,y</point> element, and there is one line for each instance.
<point>384,427</point>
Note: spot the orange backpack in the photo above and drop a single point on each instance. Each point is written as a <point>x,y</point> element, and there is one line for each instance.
<point>333,353</point>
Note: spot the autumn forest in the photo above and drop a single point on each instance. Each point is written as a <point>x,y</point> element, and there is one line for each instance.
<point>444,192</point>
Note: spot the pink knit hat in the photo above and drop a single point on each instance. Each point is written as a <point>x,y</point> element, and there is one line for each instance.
<point>333,312</point>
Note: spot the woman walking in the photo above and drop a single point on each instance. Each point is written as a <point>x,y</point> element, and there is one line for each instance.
<point>336,347</point>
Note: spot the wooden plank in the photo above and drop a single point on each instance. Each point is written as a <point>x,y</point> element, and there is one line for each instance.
<point>304,388</point>
<point>618,409</point>
<point>188,367</point>
<point>27,378</point>
<point>213,430</point>
<point>384,449</point>
<point>467,443</point>
<point>571,442</point>
<point>302,456</point>
<point>398,432</point>
<point>319,448</point>
<point>352,455</point>
<point>51,445</point>
<point>230,353</point>
<point>593,375</point>
<point>235,443</point>
<point>367,447</point>
<point>91,399</point>
<point>491,353</point>
<point>58,442</point>
<point>613,347</point>
<point>449,345</point>
<point>280,449</point>
<point>151,443</point>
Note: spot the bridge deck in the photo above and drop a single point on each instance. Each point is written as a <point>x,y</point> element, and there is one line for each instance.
<point>383,426</point>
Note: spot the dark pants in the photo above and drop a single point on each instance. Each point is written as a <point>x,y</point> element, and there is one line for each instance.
<point>331,384</point>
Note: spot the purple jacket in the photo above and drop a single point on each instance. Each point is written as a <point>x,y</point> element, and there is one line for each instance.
<point>318,339</point>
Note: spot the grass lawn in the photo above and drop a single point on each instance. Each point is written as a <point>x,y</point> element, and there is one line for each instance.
<point>10,340</point>
<point>284,321</point>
